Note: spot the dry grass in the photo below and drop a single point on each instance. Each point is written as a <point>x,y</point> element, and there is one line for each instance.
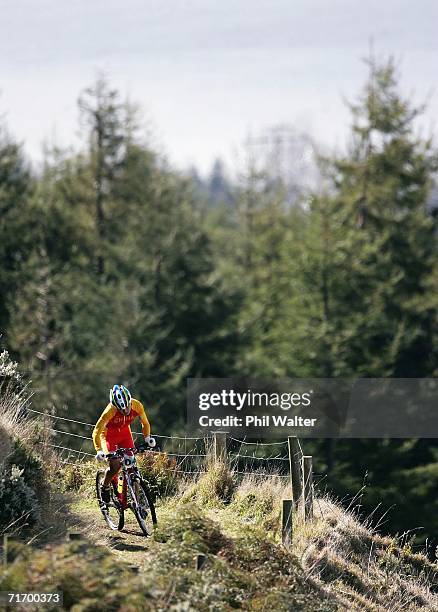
<point>214,487</point>
<point>371,571</point>
<point>12,423</point>
<point>350,562</point>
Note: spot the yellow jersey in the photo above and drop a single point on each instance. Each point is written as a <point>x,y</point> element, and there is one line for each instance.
<point>115,424</point>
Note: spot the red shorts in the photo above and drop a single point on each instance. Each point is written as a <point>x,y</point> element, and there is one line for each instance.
<point>119,438</point>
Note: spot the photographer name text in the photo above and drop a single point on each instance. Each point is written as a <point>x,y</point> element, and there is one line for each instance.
<point>257,421</point>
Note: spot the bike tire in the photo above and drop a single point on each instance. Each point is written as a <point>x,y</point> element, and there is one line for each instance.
<point>140,520</point>
<point>113,513</point>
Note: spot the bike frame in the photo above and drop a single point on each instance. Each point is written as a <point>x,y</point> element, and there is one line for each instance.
<point>129,472</point>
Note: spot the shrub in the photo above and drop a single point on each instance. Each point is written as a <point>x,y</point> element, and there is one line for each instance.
<point>79,477</point>
<point>30,465</point>
<point>10,377</point>
<point>216,486</point>
<point>90,578</point>
<point>159,471</point>
<point>189,526</point>
<point>18,503</point>
<point>72,477</point>
<point>258,499</point>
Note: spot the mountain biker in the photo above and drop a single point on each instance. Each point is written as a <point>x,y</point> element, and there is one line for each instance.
<point>113,431</point>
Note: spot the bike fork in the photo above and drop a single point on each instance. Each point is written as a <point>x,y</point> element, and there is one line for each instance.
<point>133,495</point>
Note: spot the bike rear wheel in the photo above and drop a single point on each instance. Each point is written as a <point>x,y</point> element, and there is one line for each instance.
<point>113,512</point>
<point>143,507</point>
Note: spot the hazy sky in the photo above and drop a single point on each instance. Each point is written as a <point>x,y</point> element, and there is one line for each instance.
<point>207,72</point>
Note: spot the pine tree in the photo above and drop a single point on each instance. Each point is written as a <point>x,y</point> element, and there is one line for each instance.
<point>383,188</point>
<point>104,118</point>
<point>369,248</point>
<point>15,225</point>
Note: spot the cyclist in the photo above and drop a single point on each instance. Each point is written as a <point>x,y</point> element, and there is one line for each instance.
<point>113,431</point>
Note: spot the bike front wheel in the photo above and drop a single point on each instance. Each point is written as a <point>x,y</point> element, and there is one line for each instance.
<point>112,512</point>
<point>143,507</point>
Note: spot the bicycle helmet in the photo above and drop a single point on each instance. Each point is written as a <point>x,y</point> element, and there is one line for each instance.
<point>121,399</point>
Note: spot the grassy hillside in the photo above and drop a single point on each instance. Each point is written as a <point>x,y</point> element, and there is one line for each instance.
<point>335,563</point>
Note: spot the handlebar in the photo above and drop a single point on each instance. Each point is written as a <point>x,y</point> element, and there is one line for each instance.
<point>121,451</point>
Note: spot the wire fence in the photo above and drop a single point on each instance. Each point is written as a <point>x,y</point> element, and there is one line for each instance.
<point>190,454</point>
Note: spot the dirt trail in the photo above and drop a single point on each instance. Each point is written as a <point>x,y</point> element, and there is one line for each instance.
<point>130,545</point>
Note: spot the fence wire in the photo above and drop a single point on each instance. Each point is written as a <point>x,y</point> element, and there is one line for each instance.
<point>187,460</point>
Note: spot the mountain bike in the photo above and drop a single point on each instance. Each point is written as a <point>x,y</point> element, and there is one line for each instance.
<point>128,490</point>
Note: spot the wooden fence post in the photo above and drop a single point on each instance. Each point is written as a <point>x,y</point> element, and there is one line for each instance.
<point>295,455</point>
<point>220,446</point>
<point>308,487</point>
<point>286,522</point>
<point>199,561</point>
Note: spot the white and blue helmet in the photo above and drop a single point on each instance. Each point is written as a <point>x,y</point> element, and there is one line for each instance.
<point>121,399</point>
